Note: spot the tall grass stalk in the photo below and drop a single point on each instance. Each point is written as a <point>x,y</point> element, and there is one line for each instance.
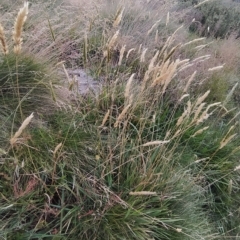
<point>17,37</point>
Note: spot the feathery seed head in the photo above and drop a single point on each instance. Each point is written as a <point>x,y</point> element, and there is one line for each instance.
<point>237,168</point>
<point>200,131</point>
<point>193,41</point>
<point>113,40</point>
<point>183,97</point>
<point>110,44</point>
<point>105,118</point>
<point>118,18</point>
<point>122,115</point>
<point>153,60</point>
<point>3,40</point>
<point>122,51</point>
<point>156,36</point>
<point>25,123</point>
<point>18,26</point>
<point>225,141</point>
<point>216,68</point>
<point>132,49</point>
<point>142,58</point>
<point>167,20</point>
<point>153,26</point>
<point>189,81</point>
<point>152,143</point>
<point>56,149</point>
<point>185,114</point>
<point>202,98</point>
<point>128,86</point>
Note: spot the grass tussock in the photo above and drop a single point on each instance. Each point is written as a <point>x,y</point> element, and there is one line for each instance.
<point>152,154</point>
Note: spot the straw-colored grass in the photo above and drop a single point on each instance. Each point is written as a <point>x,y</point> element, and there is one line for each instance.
<point>149,155</point>
<point>18,27</point>
<point>3,41</point>
<point>16,136</point>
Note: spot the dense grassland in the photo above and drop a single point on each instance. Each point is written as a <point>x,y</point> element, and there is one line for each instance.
<point>153,154</point>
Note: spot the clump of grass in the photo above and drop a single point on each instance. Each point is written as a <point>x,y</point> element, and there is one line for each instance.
<point>143,159</point>
<point>25,82</point>
<point>25,85</point>
<point>218,86</point>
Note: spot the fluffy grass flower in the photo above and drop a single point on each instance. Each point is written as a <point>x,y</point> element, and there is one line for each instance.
<point>3,40</point>
<point>18,27</point>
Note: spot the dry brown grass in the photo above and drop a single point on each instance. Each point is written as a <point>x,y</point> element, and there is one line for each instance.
<point>30,186</point>
<point>227,52</point>
<point>144,115</point>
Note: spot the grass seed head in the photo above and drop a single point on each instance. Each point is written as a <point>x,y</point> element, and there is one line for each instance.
<point>142,58</point>
<point>229,95</point>
<point>18,26</point>
<point>225,141</point>
<point>193,41</point>
<point>156,37</point>
<point>122,51</point>
<point>215,68</point>
<point>153,26</point>
<point>128,87</point>
<point>200,131</point>
<point>118,17</point>
<point>183,97</point>
<point>199,4</point>
<point>129,51</point>
<point>113,40</point>
<point>198,111</point>
<point>56,149</point>
<point>171,71</point>
<point>153,143</point>
<point>122,115</point>
<point>167,19</point>
<point>105,118</point>
<point>202,98</point>
<point>143,193</point>
<point>110,44</point>
<point>182,117</point>
<point>153,60</point>
<point>189,82</point>
<point>204,116</point>
<point>237,168</point>
<point>3,40</point>
<point>25,123</point>
<point>201,58</point>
